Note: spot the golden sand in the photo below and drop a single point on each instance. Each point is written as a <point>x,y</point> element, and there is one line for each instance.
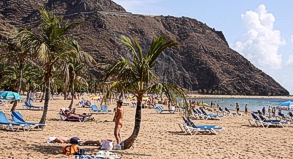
<point>159,136</point>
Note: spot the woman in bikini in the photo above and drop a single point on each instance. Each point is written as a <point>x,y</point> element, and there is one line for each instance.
<point>118,121</point>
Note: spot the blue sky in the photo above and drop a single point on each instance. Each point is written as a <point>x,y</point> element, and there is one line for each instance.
<point>260,30</point>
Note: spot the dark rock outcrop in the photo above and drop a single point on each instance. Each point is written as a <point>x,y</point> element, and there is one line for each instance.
<point>203,61</point>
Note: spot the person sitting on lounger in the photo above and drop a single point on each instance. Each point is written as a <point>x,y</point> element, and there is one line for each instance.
<point>69,113</point>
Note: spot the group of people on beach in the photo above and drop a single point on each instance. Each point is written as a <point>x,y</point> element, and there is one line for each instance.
<point>118,119</point>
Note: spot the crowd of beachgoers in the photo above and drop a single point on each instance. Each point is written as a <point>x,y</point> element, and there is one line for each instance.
<point>213,132</point>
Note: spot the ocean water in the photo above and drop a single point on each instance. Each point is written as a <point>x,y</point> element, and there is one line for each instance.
<point>254,104</point>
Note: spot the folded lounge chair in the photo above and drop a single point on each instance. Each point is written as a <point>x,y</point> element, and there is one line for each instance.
<point>31,106</point>
<point>9,124</point>
<point>17,117</point>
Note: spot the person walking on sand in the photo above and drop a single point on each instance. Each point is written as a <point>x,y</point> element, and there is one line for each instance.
<point>246,109</point>
<point>118,117</point>
<point>237,108</point>
<point>264,110</point>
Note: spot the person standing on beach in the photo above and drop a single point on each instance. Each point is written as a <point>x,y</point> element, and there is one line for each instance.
<point>264,110</point>
<point>237,108</point>
<point>246,109</point>
<point>118,117</point>
<point>274,111</point>
<point>269,110</point>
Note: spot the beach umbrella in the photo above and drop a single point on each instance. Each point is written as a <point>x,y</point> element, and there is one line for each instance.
<point>8,95</point>
<point>286,105</point>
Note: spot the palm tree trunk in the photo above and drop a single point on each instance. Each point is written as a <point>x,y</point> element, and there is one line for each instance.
<point>72,94</point>
<point>44,91</point>
<point>19,86</point>
<point>20,78</point>
<point>28,95</point>
<point>47,98</point>
<point>129,142</point>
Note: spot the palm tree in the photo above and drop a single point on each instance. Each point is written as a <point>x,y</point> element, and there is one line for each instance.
<point>137,77</point>
<point>17,52</point>
<point>76,70</point>
<point>53,45</point>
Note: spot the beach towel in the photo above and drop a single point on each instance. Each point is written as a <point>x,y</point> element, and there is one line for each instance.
<point>70,149</point>
<point>107,145</point>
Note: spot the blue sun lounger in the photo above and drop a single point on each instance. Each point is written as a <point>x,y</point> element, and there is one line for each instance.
<point>95,109</point>
<point>18,118</point>
<point>193,129</point>
<point>9,124</point>
<point>159,109</point>
<point>105,109</point>
<point>273,122</point>
<point>31,106</point>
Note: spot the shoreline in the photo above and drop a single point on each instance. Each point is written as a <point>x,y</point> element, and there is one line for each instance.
<point>237,96</point>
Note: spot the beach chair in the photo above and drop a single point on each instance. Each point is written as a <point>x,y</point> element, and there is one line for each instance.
<point>133,104</point>
<point>257,121</point>
<point>17,117</point>
<point>282,116</point>
<point>211,116</point>
<point>196,114</point>
<point>105,109</point>
<point>95,109</point>
<point>159,109</point>
<point>229,113</point>
<point>28,105</point>
<point>9,124</point>
<point>290,115</point>
<point>221,111</point>
<point>259,112</point>
<point>273,122</point>
<point>194,129</point>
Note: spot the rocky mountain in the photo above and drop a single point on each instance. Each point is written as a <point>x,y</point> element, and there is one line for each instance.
<point>203,62</point>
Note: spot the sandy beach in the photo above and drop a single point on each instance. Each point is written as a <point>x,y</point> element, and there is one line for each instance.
<point>159,137</point>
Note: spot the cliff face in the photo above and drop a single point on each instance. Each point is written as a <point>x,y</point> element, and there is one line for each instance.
<point>203,60</point>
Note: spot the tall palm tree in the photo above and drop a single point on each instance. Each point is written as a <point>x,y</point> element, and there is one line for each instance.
<point>137,77</point>
<point>76,70</point>
<point>17,52</point>
<point>53,45</point>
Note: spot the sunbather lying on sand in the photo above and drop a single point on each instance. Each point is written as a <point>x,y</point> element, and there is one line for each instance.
<point>58,140</point>
<point>67,140</point>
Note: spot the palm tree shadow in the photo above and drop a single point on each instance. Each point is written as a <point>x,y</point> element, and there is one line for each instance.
<point>177,133</point>
<point>47,149</point>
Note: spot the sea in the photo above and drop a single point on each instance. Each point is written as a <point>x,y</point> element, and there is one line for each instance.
<point>254,104</point>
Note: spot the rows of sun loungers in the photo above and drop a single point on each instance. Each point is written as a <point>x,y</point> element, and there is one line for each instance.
<point>18,122</point>
<point>202,114</point>
<point>191,128</point>
<point>262,121</point>
<point>103,109</point>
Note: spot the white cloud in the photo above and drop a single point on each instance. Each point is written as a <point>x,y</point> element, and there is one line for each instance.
<point>290,59</point>
<point>261,43</point>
